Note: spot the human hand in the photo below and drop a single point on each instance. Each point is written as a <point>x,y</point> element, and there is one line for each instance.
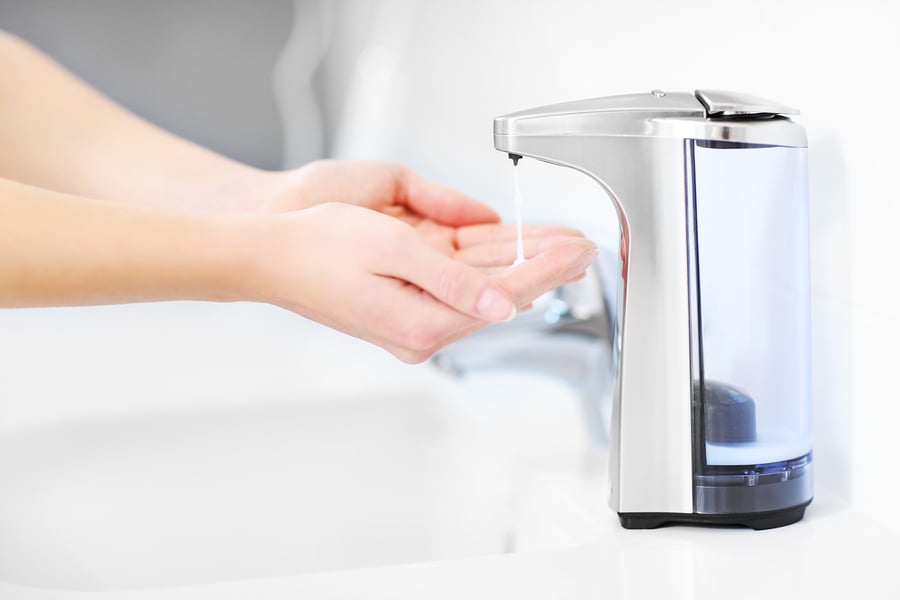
<point>354,269</point>
<point>384,186</point>
<point>457,225</point>
<point>377,278</point>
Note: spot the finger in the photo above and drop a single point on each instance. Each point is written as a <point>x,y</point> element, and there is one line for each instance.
<point>467,329</point>
<point>562,263</point>
<point>548,270</point>
<point>419,325</point>
<point>473,235</point>
<point>529,283</point>
<point>493,254</point>
<point>454,283</point>
<point>490,271</point>
<point>578,277</point>
<point>443,204</point>
<point>494,271</point>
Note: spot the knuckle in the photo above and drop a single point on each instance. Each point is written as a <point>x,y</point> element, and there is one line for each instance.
<point>450,285</point>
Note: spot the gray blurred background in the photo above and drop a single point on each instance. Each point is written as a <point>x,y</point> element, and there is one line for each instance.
<point>201,68</point>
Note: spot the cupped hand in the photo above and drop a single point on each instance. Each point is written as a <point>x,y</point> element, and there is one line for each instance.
<point>455,224</point>
<point>379,279</point>
<point>383,186</point>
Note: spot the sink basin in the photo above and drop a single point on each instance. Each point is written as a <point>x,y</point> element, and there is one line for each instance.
<point>267,490</point>
<point>171,445</point>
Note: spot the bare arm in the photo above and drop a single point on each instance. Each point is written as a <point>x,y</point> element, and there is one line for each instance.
<point>354,269</point>
<point>64,250</point>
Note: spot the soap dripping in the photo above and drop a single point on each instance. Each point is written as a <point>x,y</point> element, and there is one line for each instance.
<point>520,246</point>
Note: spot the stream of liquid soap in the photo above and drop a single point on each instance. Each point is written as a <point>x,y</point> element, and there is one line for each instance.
<point>520,247</point>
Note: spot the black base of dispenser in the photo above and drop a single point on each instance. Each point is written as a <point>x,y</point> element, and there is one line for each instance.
<point>759,520</point>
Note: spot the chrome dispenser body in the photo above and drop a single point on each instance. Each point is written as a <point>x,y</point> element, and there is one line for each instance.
<point>711,409</point>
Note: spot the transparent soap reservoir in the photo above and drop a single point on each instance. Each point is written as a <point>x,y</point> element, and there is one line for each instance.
<point>752,344</point>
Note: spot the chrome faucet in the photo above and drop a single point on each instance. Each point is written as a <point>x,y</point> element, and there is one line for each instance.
<point>567,334</point>
<point>710,337</point>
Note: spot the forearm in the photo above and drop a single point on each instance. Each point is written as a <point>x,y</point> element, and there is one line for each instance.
<point>58,133</point>
<point>63,250</point>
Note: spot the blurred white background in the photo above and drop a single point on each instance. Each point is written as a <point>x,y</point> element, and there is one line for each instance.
<point>278,84</point>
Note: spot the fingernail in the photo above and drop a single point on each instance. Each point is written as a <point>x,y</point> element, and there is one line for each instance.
<point>585,260</point>
<point>494,306</point>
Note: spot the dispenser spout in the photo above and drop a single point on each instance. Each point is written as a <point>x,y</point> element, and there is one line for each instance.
<point>515,158</point>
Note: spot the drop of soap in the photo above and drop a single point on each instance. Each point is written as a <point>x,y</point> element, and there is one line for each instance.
<point>520,246</point>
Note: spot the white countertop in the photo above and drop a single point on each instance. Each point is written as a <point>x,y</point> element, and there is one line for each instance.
<point>832,553</point>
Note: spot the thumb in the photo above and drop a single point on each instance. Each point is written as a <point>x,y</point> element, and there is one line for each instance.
<point>456,284</point>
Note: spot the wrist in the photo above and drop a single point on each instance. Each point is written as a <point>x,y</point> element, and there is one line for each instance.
<point>238,189</point>
<point>249,247</point>
<point>230,256</point>
<point>296,189</point>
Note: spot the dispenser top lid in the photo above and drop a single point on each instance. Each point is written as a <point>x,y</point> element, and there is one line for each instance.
<point>719,103</point>
<point>596,114</point>
<point>704,114</point>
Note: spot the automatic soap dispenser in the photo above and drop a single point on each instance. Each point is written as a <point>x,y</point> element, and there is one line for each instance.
<point>711,412</point>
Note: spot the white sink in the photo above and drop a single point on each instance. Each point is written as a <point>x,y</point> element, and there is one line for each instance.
<point>181,444</point>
